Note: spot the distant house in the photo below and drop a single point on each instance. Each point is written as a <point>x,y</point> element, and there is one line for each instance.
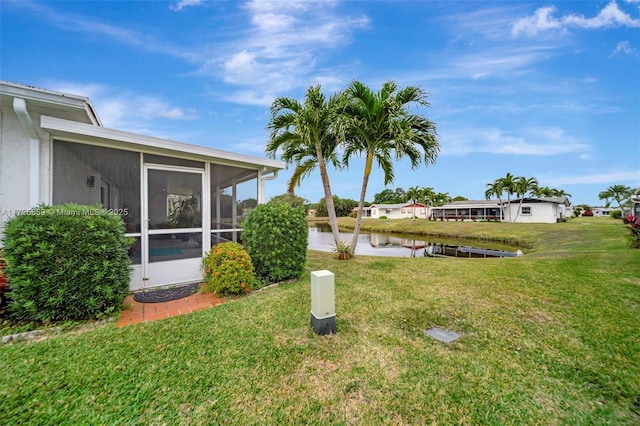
<point>469,210</point>
<point>54,150</point>
<point>537,210</point>
<point>602,211</point>
<point>532,210</point>
<point>396,211</point>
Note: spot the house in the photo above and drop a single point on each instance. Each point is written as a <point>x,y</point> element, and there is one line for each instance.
<point>54,150</point>
<point>602,211</point>
<point>532,210</point>
<point>537,210</point>
<point>469,210</point>
<point>395,211</point>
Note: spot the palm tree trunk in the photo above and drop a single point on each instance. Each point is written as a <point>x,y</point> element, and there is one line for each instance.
<point>363,192</point>
<point>519,208</point>
<point>331,208</point>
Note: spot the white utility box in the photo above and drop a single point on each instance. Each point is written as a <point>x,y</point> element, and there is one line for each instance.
<point>323,305</point>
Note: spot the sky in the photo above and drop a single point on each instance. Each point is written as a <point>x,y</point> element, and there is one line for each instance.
<point>544,89</point>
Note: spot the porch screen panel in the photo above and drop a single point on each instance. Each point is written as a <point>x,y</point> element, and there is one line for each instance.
<point>88,174</point>
<point>234,193</point>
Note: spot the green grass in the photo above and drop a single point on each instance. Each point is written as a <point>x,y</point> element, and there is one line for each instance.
<point>548,338</point>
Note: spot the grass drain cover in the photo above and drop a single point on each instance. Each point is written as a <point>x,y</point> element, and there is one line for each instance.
<point>442,335</point>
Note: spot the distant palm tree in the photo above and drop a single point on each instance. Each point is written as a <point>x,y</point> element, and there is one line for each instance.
<point>413,194</point>
<point>380,126</point>
<point>620,193</point>
<point>508,185</point>
<point>305,135</point>
<point>494,189</point>
<point>441,198</point>
<point>522,186</point>
<point>560,193</point>
<point>427,195</point>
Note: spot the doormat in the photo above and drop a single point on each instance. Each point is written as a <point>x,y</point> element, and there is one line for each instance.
<point>165,294</point>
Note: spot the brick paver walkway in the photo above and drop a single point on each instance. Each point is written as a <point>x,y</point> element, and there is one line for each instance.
<point>146,312</point>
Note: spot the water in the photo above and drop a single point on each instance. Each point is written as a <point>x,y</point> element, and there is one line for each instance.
<point>399,245</point>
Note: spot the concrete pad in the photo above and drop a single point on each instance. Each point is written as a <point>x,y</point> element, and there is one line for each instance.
<point>442,335</point>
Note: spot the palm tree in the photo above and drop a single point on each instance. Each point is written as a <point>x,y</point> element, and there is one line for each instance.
<point>306,137</point>
<point>441,198</point>
<point>427,195</point>
<point>413,194</point>
<point>522,186</point>
<point>620,193</point>
<point>494,189</point>
<point>380,126</point>
<point>508,185</point>
<point>606,196</point>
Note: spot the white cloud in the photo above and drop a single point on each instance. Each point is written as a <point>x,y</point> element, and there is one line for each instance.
<point>631,176</point>
<point>125,110</point>
<point>624,48</point>
<point>543,20</point>
<point>181,4</point>
<point>281,49</point>
<point>532,142</point>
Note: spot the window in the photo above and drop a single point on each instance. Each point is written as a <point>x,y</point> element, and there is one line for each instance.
<point>526,210</point>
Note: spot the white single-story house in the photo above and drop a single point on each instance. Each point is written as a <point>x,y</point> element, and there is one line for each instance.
<point>532,210</point>
<point>54,150</point>
<point>537,210</point>
<point>602,211</point>
<point>395,211</point>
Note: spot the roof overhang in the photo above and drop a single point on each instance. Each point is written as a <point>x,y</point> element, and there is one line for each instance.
<point>80,132</point>
<point>45,100</point>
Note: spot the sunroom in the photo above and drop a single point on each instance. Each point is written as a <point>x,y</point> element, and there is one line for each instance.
<point>176,200</point>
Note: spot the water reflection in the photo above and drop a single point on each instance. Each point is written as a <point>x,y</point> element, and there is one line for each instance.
<point>373,244</point>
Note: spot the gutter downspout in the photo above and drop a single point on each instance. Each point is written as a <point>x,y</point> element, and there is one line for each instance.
<point>261,186</point>
<point>20,108</point>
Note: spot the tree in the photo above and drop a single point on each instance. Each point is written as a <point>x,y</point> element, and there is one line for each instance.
<point>441,198</point>
<point>508,185</point>
<point>290,200</point>
<point>380,126</point>
<point>522,186</point>
<point>413,194</point>
<point>343,206</point>
<point>619,193</point>
<point>388,196</point>
<point>306,137</point>
<point>459,198</point>
<point>427,196</point>
<point>494,189</point>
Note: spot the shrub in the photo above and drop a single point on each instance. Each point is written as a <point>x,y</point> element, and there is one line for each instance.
<point>616,214</point>
<point>275,237</point>
<point>383,217</point>
<point>228,270</point>
<point>5,288</point>
<point>66,263</point>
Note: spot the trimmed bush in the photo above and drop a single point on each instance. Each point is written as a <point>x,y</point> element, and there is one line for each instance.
<point>228,270</point>
<point>66,263</point>
<point>616,214</point>
<point>275,237</point>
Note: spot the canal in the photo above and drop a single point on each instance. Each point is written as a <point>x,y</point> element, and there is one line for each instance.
<point>405,245</point>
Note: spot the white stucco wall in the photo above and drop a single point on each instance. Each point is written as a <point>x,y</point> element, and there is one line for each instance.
<point>14,165</point>
<point>540,213</point>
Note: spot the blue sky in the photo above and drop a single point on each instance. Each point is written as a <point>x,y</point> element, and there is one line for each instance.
<point>545,89</point>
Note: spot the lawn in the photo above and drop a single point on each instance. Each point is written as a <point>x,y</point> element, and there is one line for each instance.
<point>547,338</point>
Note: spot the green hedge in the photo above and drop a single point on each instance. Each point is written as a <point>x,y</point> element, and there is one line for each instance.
<point>275,236</point>
<point>66,262</point>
